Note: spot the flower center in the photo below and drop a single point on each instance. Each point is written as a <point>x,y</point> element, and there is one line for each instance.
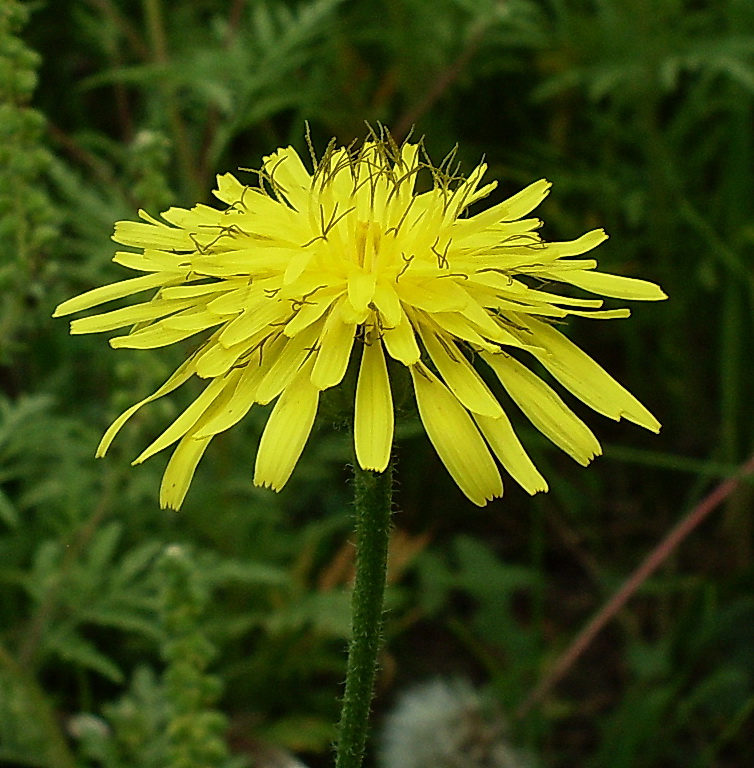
<point>368,236</point>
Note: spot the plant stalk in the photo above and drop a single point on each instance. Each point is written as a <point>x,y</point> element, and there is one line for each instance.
<point>373,502</point>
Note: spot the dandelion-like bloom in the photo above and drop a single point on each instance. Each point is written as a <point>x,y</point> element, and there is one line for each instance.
<point>306,270</point>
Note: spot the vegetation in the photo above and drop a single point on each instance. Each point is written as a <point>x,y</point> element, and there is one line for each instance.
<point>132,636</point>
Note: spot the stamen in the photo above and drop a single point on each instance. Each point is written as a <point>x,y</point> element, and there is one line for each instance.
<point>407,263</point>
<point>401,221</point>
<point>199,247</point>
<point>442,258</point>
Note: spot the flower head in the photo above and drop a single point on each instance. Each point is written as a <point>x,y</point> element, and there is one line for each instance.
<point>303,271</point>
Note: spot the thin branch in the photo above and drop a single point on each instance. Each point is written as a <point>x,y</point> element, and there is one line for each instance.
<point>158,41</point>
<point>84,157</point>
<point>444,80</point>
<point>213,119</point>
<point>653,561</point>
<point>124,25</point>
<point>234,19</point>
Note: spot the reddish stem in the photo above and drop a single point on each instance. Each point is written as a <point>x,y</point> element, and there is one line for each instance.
<point>653,561</point>
<point>444,80</point>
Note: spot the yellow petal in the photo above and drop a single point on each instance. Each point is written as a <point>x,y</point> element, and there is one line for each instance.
<point>490,327</point>
<point>373,416</point>
<point>156,335</point>
<point>298,261</point>
<point>507,447</point>
<point>602,314</point>
<point>117,318</point>
<point>286,432</point>
<point>180,471</point>
<point>461,327</point>
<point>353,316</point>
<point>580,245</point>
<point>575,370</point>
<point>334,352</point>
<point>189,417</point>
<point>200,217</point>
<point>525,201</point>
<point>335,178</point>
<point>238,405</point>
<point>463,381</point>
<point>409,163</point>
<point>109,292</point>
<point>200,292</point>
<point>614,286</point>
<point>233,302</point>
<point>193,320</point>
<point>289,176</point>
<point>286,363</point>
<point>152,235</point>
<point>466,193</point>
<point>434,295</point>
<point>152,260</point>
<point>516,291</point>
<point>515,207</point>
<point>361,287</point>
<point>387,302</point>
<point>560,265</point>
<point>215,359</point>
<point>229,189</point>
<point>252,321</point>
<point>243,261</point>
<point>307,314</point>
<point>400,342</point>
<point>544,408</point>
<point>181,376</point>
<point>455,438</point>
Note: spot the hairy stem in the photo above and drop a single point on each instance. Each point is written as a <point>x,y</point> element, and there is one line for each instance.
<point>373,502</point>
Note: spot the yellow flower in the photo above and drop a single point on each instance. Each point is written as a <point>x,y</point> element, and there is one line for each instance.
<point>306,270</point>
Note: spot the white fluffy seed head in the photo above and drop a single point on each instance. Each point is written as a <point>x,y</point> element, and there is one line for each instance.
<point>447,724</point>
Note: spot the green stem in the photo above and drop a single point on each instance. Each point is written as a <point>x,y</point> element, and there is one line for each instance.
<point>373,501</point>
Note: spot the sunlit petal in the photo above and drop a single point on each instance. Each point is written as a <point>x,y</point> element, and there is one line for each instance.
<point>373,415</point>
<point>286,432</point>
<point>545,409</point>
<point>456,438</point>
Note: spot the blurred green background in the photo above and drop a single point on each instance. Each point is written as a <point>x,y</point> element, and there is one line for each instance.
<point>131,636</point>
